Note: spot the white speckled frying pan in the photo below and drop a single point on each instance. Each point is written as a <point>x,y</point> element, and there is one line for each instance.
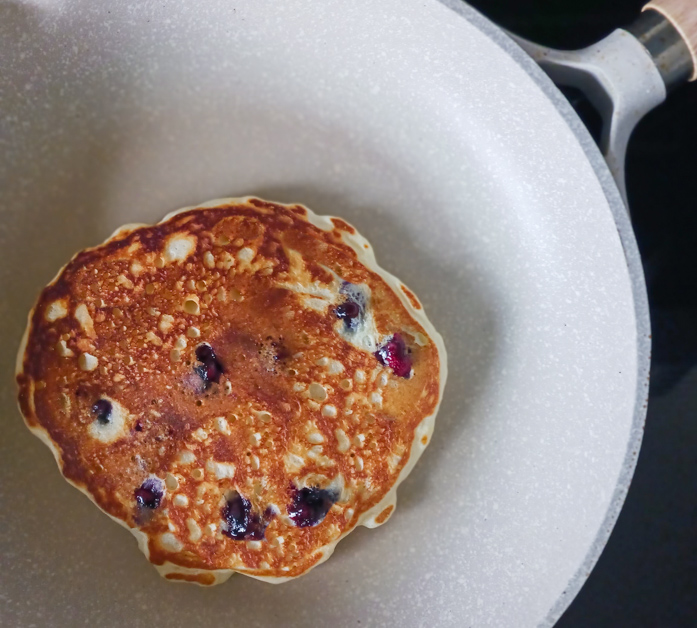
<point>425,126</point>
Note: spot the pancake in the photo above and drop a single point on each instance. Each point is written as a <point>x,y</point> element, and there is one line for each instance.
<point>240,385</point>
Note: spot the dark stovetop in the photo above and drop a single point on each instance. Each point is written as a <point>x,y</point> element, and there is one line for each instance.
<point>647,575</point>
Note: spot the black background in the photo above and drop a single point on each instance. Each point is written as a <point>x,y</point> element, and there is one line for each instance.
<point>647,575</point>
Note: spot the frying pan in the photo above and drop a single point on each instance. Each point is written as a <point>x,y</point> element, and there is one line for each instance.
<point>432,131</point>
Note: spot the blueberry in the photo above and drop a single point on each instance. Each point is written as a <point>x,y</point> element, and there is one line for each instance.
<point>210,368</point>
<point>348,311</point>
<point>205,353</point>
<point>241,523</point>
<point>102,410</point>
<point>150,493</point>
<point>351,311</point>
<point>310,505</point>
<point>208,373</point>
<point>395,354</point>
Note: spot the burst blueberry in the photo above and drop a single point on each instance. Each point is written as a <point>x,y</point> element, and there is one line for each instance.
<point>310,505</point>
<point>395,354</point>
<point>150,493</point>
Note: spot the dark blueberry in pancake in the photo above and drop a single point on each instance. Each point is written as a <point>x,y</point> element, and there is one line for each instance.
<point>210,368</point>
<point>102,410</point>
<point>395,354</point>
<point>150,493</point>
<point>348,312</point>
<point>310,505</point>
<point>241,523</point>
<point>352,310</point>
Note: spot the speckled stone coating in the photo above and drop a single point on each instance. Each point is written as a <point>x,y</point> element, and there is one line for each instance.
<point>450,151</point>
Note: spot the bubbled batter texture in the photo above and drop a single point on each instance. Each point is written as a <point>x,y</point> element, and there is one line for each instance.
<point>207,381</point>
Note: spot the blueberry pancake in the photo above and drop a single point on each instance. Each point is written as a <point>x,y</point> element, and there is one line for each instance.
<point>240,385</point>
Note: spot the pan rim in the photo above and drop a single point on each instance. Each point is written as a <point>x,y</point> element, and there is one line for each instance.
<point>622,220</point>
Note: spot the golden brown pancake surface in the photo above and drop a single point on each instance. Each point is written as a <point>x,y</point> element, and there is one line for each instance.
<point>240,385</point>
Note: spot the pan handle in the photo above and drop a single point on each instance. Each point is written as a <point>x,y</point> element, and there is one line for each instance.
<point>630,72</point>
<point>682,15</point>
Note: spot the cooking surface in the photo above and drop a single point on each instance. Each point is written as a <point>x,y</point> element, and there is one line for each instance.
<point>493,215</point>
<point>646,576</point>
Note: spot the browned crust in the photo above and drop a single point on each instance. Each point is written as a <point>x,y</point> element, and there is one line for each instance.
<point>342,225</point>
<point>411,296</point>
<point>384,515</point>
<point>205,579</point>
